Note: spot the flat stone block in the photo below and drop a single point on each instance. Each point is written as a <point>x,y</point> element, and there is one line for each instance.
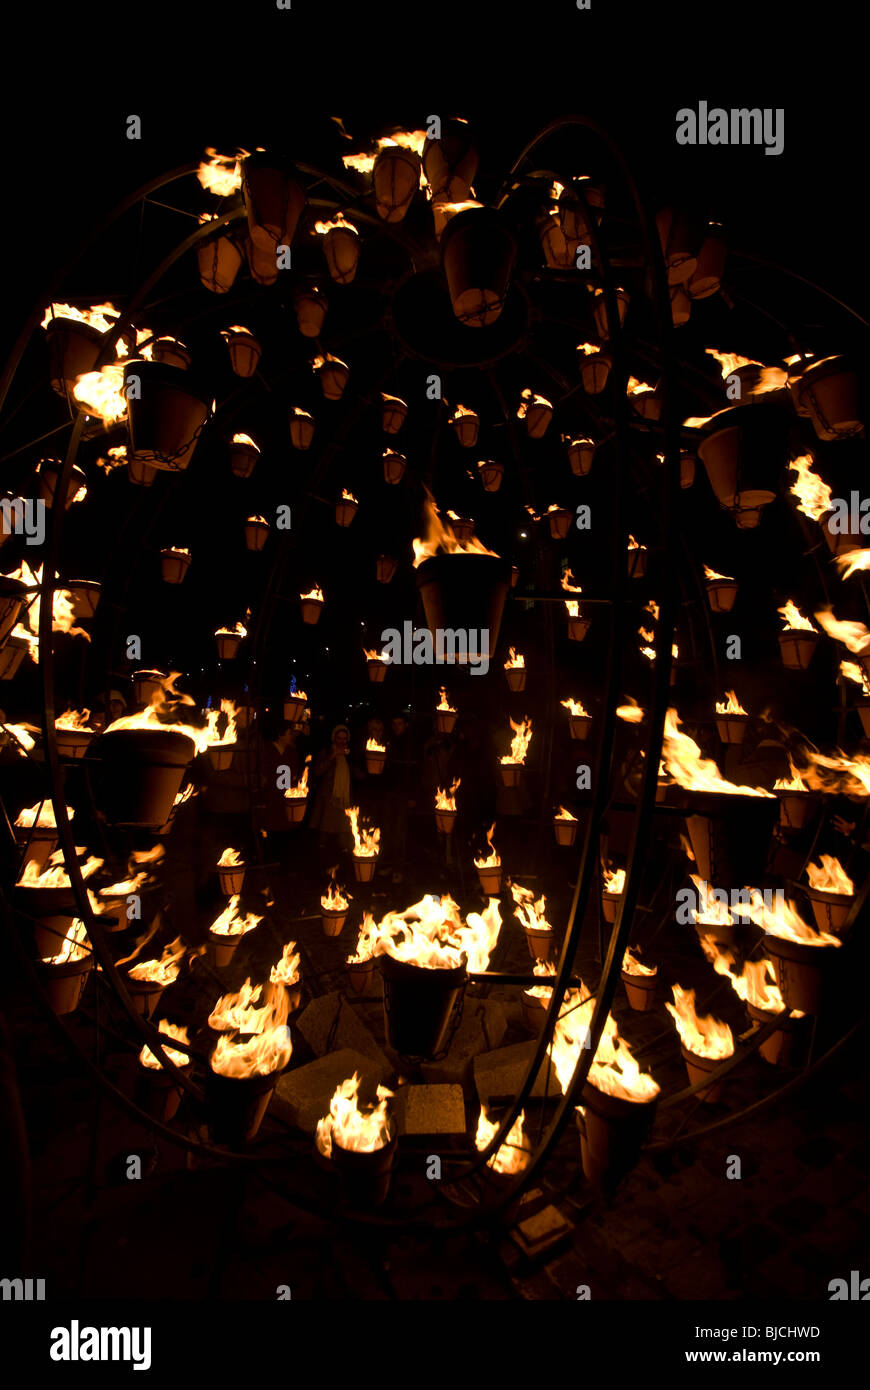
<point>330,1023</point>
<point>302,1096</point>
<point>499,1074</point>
<point>429,1110</point>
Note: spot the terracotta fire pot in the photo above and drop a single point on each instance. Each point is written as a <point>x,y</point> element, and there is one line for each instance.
<point>490,880</point>
<point>783,1045</point>
<point>595,371</point>
<point>465,592</point>
<point>73,743</point>
<point>174,565</point>
<point>11,656</point>
<point>375,761</point>
<point>796,648</point>
<point>166,415</point>
<point>301,430</point>
<point>636,561</point>
<point>386,568</point>
<point>39,841</point>
<point>274,200</point>
<point>747,507</point>
<point>332,920</point>
<point>219,261</point>
<point>578,628</point>
<point>73,348</point>
<point>491,474</point>
<point>142,474</point>
<point>830,909</point>
<point>345,511</point>
<point>263,265</point>
<point>478,252</point>
<point>540,942</point>
<point>228,644</point>
<point>231,878</point>
<point>580,455</point>
<point>394,466</point>
<point>795,809</point>
<point>828,392</point>
<point>310,306</point>
<point>146,684</point>
<point>511,774</point>
<point>65,984</point>
<point>84,596</point>
<point>220,755</point>
<point>444,821</point>
<point>395,180</point>
<point>731,727</point>
<point>721,594</point>
<point>560,523</point>
<point>359,975</point>
<point>341,250</point>
<point>12,593</point>
<point>144,994</point>
<point>294,809</point>
<point>224,947</point>
<point>50,932</point>
<point>467,428</point>
<point>445,720</point>
<point>800,971</point>
<point>710,269</point>
<point>418,1005</point>
<point>720,454</point>
<point>236,1106</point>
<point>516,677</point>
<point>566,831</point>
<point>294,708</point>
<point>730,841</point>
<point>157,1093</point>
<point>365,1176</point>
<point>640,991</point>
<point>171,352</point>
<point>699,1067</point>
<point>579,725</point>
<point>364,867</point>
<point>245,352</point>
<point>612,1131</point>
<point>243,459</point>
<point>534,1011</point>
<point>311,609</point>
<point>394,412</point>
<point>333,379</point>
<point>256,534</point>
<point>141,774</point>
<point>450,162</point>
<point>609,904</point>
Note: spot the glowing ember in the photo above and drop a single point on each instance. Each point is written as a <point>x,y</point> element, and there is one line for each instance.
<point>365,946</point>
<point>613,881</point>
<point>98,316</point>
<point>335,899</point>
<point>444,705</point>
<point>514,1155</point>
<point>793,619</point>
<point>814,496</point>
<point>563,814</point>
<point>41,815</point>
<point>631,713</point>
<point>519,742</point>
<point>316,593</point>
<point>575,707</point>
<point>730,361</point>
<point>570,587</point>
<point>372,746</point>
<point>221,173</point>
<point>532,914</point>
<point>362,1131</point>
<point>614,1070</point>
<point>440,538</point>
<point>781,918</point>
<point>163,971</point>
<point>854,635</point>
<point>321,228</point>
<point>704,1036</point>
<point>300,791</point>
<point>366,840</point>
<point>267,1051</point>
<point>830,876</point>
<point>445,798</point>
<point>244,439</point>
<point>102,393</point>
<point>74,945</point>
<point>755,983</point>
<point>632,966</point>
<point>493,859</point>
<point>432,934</point>
<point>230,859</point>
<point>286,971</point>
<point>231,922</point>
<point>683,761</point>
<point>237,630</point>
<point>515,660</point>
<point>54,875</point>
<point>228,737</point>
<point>165,704</point>
<point>711,574</point>
<point>731,705</point>
<point>150,1059</point>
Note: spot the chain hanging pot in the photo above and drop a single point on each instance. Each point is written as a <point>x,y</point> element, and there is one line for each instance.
<point>827,391</point>
<point>166,414</point>
<point>419,1005</point>
<point>395,180</point>
<point>219,261</point>
<point>800,971</point>
<point>273,199</point>
<point>64,984</point>
<point>310,305</point>
<point>365,1174</point>
<point>236,1105</point>
<point>73,349</point>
